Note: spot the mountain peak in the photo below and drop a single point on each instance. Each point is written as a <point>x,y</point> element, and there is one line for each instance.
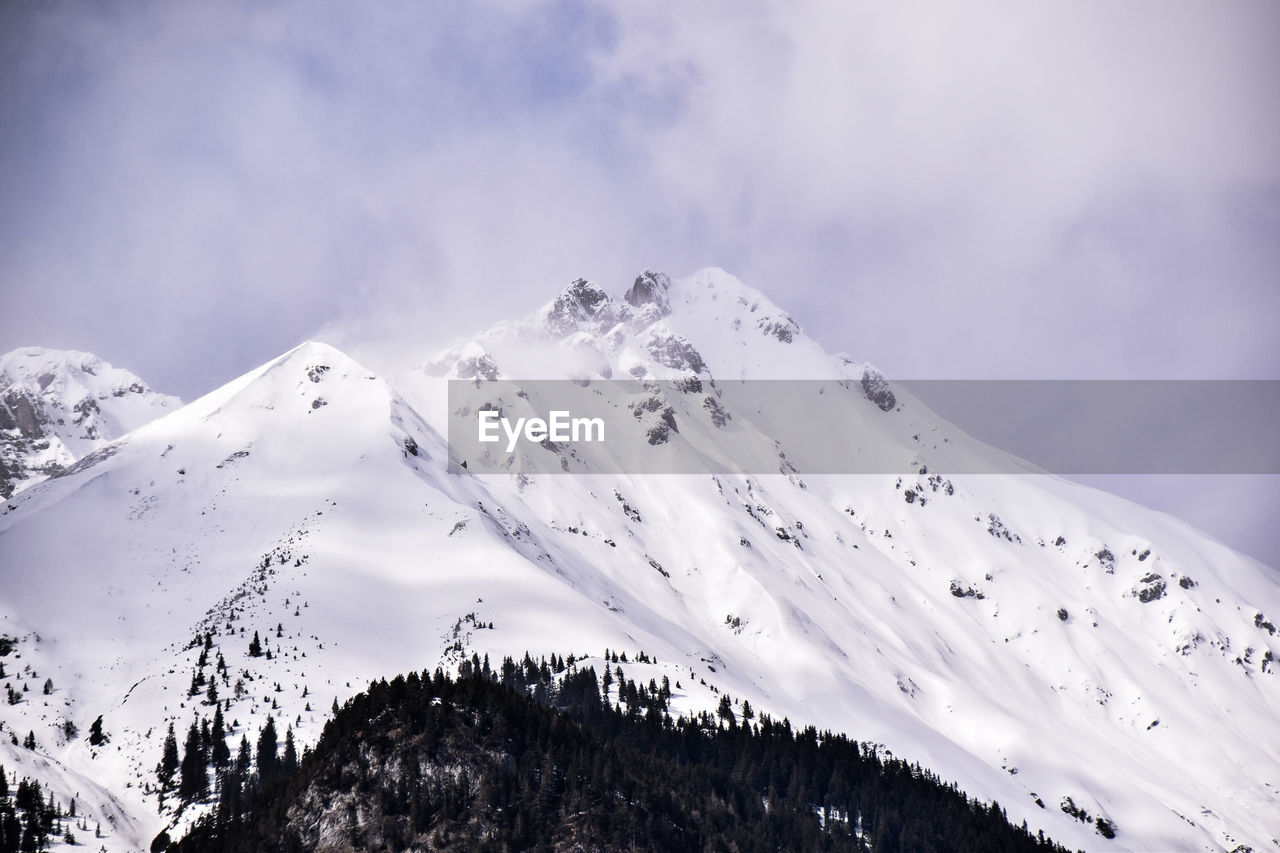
<point>729,330</point>
<point>306,372</point>
<point>315,353</point>
<point>52,370</point>
<point>58,405</point>
<point>581,305</point>
<point>648,295</point>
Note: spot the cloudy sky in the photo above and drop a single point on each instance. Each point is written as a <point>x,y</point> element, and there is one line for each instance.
<point>1013,190</point>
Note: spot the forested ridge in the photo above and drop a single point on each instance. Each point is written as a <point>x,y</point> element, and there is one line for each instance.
<point>535,756</point>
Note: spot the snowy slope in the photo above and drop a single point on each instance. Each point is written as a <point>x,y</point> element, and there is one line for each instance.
<point>1019,634</point>
<point>287,498</point>
<point>58,405</point>
<point>1050,631</point>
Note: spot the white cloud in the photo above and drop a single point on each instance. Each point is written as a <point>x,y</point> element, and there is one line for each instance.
<point>965,189</point>
<point>262,169</point>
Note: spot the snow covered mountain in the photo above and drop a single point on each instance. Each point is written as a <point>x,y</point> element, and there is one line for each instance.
<point>57,405</point>
<point>1052,647</point>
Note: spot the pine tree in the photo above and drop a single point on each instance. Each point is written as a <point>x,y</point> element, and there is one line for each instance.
<point>97,737</point>
<point>255,646</point>
<point>267,756</point>
<point>725,711</point>
<point>290,764</point>
<point>48,686</point>
<point>243,759</point>
<point>194,781</point>
<point>220,754</point>
<point>31,833</point>
<point>168,760</point>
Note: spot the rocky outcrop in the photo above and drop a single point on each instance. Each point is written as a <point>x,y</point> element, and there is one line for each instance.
<point>477,367</point>
<point>675,352</point>
<point>582,306</point>
<point>783,328</point>
<point>649,298</point>
<point>876,388</point>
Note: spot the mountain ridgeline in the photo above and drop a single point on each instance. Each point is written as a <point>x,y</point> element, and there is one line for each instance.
<point>1105,672</point>
<point>535,756</point>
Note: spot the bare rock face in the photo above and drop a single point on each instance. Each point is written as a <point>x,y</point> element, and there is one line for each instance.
<point>477,367</point>
<point>648,295</point>
<point>783,328</point>
<point>1151,588</point>
<point>18,412</point>
<point>660,417</point>
<point>675,352</point>
<point>582,306</point>
<point>719,414</point>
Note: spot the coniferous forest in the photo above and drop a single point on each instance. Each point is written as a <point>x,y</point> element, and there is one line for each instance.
<point>535,756</point>
<point>31,818</point>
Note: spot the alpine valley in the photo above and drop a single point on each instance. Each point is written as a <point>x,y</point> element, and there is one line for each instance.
<point>1104,672</point>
